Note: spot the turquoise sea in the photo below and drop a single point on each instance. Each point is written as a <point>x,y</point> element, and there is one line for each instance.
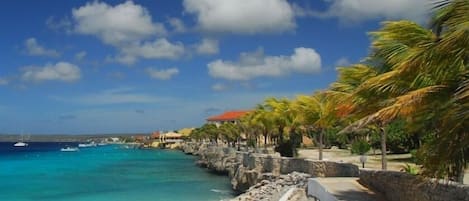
<point>41,172</point>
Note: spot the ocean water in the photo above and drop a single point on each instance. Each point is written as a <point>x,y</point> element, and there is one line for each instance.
<point>41,172</point>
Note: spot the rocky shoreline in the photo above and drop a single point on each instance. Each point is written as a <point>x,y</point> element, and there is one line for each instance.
<point>262,174</point>
<point>290,187</point>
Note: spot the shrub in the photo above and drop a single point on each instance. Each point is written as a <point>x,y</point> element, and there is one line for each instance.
<point>251,143</point>
<point>360,147</point>
<point>410,169</point>
<point>286,148</point>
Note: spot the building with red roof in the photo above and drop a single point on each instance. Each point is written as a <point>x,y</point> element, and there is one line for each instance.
<point>155,135</point>
<point>229,116</point>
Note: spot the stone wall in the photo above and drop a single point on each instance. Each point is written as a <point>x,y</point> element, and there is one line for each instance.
<point>246,168</point>
<point>400,186</point>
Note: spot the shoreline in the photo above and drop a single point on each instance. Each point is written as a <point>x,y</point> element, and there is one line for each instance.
<point>262,174</point>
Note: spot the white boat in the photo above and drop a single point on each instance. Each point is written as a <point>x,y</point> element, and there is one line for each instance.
<point>20,144</point>
<point>102,144</point>
<point>69,149</point>
<point>92,144</point>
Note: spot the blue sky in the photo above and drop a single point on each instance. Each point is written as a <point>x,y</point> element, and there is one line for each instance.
<point>73,67</point>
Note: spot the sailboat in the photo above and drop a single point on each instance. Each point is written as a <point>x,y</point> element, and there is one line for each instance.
<point>69,149</point>
<point>21,143</point>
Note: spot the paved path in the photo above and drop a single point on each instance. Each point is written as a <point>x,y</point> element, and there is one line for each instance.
<point>341,189</point>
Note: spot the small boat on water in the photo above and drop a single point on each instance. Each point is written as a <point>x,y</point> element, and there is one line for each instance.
<point>83,145</point>
<point>102,144</point>
<point>69,149</point>
<point>20,144</point>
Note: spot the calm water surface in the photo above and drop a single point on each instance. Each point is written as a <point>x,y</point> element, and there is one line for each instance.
<point>40,172</point>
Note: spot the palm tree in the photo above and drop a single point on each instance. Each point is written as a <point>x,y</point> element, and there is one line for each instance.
<point>279,112</point>
<point>230,133</point>
<point>317,111</point>
<point>209,131</point>
<point>422,76</point>
<point>264,121</point>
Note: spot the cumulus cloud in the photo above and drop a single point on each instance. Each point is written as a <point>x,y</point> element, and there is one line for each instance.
<point>115,25</point>
<point>80,55</point>
<point>163,74</point>
<point>242,17</point>
<point>256,64</point>
<point>61,71</point>
<point>177,25</point>
<point>353,11</point>
<point>207,47</point>
<point>32,47</point>
<point>129,28</point>
<point>158,49</point>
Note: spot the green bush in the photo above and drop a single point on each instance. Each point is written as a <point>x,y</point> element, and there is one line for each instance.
<point>414,157</point>
<point>410,169</point>
<point>360,147</point>
<point>251,143</point>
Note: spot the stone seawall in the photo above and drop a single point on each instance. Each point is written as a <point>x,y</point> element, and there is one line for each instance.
<point>247,168</point>
<point>400,186</point>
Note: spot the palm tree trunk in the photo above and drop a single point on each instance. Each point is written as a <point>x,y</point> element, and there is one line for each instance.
<point>321,134</point>
<point>384,164</point>
<point>460,177</point>
<point>293,141</point>
<point>460,168</point>
<point>280,134</point>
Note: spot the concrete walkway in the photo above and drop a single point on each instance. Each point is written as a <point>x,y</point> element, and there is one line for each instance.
<point>341,189</point>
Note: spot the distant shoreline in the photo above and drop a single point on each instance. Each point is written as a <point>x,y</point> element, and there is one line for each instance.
<point>60,138</point>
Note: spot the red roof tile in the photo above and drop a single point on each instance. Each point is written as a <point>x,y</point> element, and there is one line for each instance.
<point>155,135</point>
<point>228,116</point>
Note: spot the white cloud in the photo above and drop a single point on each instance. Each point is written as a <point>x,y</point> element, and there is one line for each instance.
<point>33,48</point>
<point>59,24</point>
<point>80,55</point>
<point>343,61</point>
<point>61,71</point>
<point>116,25</point>
<point>121,95</point>
<point>177,24</point>
<point>353,11</point>
<point>159,49</point>
<point>242,16</point>
<point>207,47</point>
<point>219,87</point>
<point>129,28</point>
<point>252,65</point>
<point>163,74</point>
